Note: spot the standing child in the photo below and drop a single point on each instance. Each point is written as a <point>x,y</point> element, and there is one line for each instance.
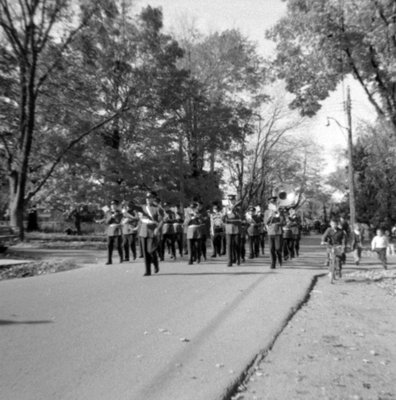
<point>379,244</point>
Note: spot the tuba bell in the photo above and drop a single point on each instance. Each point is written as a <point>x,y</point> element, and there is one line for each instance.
<point>288,196</point>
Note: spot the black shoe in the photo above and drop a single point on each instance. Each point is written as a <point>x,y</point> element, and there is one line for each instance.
<point>127,259</point>
<point>156,269</point>
<point>213,255</point>
<point>146,274</point>
<point>272,267</point>
<point>108,263</point>
<point>121,261</point>
<point>229,265</point>
<point>190,263</point>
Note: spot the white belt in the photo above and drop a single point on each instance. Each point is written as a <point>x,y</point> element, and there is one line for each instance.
<point>148,221</point>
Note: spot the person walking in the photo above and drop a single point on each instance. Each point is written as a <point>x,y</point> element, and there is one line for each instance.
<point>114,231</point>
<point>295,225</point>
<point>216,230</point>
<point>379,244</point>
<point>194,234</point>
<point>178,229</point>
<point>149,232</point>
<point>287,239</point>
<point>253,232</point>
<point>357,243</point>
<point>129,223</point>
<point>273,221</point>
<point>232,221</point>
<point>168,240</point>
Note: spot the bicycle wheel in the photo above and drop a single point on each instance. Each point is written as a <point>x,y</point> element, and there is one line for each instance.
<point>339,267</point>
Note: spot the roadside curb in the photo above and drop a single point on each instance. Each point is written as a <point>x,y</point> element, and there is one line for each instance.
<point>242,381</point>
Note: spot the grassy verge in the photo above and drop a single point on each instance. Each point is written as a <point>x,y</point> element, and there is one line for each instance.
<point>36,268</point>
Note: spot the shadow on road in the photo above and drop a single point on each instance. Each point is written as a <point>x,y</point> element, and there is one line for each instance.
<point>213,273</point>
<point>11,322</point>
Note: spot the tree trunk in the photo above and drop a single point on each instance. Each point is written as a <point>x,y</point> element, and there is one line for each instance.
<point>16,205</point>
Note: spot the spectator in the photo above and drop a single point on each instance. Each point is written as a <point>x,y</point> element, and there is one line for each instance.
<point>379,244</point>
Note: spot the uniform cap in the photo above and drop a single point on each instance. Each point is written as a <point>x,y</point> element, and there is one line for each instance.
<point>151,195</point>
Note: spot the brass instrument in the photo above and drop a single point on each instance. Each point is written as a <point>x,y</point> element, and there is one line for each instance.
<point>288,196</point>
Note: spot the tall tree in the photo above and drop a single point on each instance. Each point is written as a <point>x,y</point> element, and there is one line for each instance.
<point>320,41</point>
<point>35,36</point>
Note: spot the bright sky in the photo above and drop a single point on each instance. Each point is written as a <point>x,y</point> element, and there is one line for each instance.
<point>253,18</point>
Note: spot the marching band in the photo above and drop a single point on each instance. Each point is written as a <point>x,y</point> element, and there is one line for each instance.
<point>161,229</point>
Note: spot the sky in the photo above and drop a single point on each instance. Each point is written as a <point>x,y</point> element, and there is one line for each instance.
<point>253,18</point>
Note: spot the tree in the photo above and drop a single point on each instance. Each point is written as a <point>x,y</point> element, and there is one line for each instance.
<point>375,163</point>
<point>319,42</point>
<point>81,90</point>
<point>225,71</point>
<point>33,44</point>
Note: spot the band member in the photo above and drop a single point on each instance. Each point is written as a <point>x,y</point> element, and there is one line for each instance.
<point>194,233</point>
<point>216,229</point>
<point>243,239</point>
<point>129,224</point>
<point>262,231</point>
<point>178,229</point>
<point>296,231</point>
<point>188,211</point>
<point>273,222</point>
<point>149,232</point>
<point>205,227</point>
<point>287,239</point>
<point>253,232</point>
<point>168,233</point>
<point>232,221</point>
<point>113,219</point>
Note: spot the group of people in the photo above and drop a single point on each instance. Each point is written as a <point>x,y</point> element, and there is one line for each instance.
<point>158,229</point>
<point>339,234</point>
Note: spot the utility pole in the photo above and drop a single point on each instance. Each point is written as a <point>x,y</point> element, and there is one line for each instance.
<point>352,209</point>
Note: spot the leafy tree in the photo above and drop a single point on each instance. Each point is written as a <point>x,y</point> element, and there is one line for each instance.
<point>35,38</point>
<point>375,163</point>
<point>320,41</point>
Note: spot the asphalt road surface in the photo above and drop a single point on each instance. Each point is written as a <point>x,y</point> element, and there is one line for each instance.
<point>107,332</point>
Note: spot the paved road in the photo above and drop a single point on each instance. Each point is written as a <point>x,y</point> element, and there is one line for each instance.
<point>106,332</point>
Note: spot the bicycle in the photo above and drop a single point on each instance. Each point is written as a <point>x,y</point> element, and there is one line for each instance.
<point>335,261</point>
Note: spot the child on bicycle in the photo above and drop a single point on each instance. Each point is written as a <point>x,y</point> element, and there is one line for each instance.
<point>335,236</point>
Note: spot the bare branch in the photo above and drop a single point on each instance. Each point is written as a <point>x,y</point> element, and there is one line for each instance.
<point>59,158</point>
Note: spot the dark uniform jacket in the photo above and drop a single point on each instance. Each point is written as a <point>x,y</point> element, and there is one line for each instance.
<point>194,227</point>
<point>168,223</point>
<point>129,223</point>
<point>151,219</point>
<point>273,221</point>
<point>232,220</point>
<point>253,224</point>
<point>113,220</point>
<point>178,223</point>
<point>216,223</point>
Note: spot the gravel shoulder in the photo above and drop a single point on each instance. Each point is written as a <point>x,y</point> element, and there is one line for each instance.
<point>340,345</point>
